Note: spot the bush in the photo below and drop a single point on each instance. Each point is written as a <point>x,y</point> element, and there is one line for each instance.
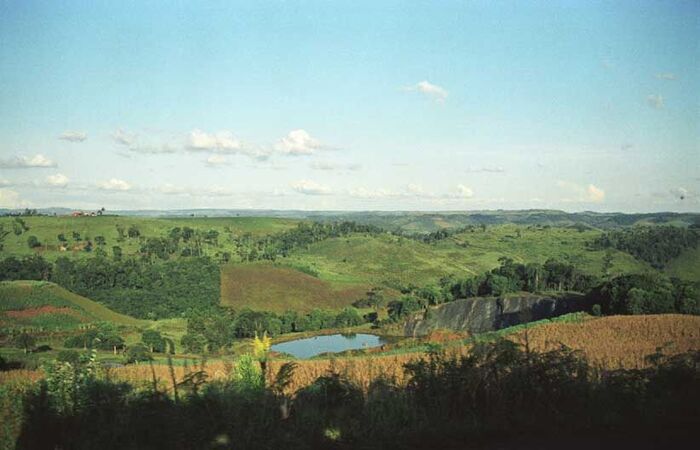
<point>137,353</point>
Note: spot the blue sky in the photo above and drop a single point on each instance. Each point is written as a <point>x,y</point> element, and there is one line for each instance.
<point>351,105</point>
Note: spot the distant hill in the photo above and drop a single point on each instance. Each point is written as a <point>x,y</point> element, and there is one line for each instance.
<point>40,304</point>
<point>422,221</point>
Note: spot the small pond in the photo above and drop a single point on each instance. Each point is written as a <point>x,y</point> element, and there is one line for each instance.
<point>308,347</point>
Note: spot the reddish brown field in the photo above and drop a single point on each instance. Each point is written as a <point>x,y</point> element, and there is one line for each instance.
<point>30,313</point>
<point>618,341</point>
<point>274,288</point>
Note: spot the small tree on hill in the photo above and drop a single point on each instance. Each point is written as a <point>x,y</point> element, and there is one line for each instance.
<point>25,341</point>
<point>33,242</point>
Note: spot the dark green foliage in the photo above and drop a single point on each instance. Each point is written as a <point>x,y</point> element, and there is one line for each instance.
<point>142,289</point>
<point>512,277</point>
<point>69,356</point>
<point>24,341</point>
<point>399,309</point>
<point>194,343</point>
<point>28,268</point>
<point>655,245</point>
<point>104,337</point>
<point>154,341</point>
<point>348,317</point>
<point>137,353</point>
<point>33,242</point>
<point>646,294</point>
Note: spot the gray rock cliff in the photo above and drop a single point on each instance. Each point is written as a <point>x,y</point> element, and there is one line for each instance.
<point>478,315</point>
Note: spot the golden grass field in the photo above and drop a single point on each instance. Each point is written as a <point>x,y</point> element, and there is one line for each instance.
<point>609,343</point>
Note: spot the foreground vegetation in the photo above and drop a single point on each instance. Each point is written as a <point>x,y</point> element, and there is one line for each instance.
<point>497,389</point>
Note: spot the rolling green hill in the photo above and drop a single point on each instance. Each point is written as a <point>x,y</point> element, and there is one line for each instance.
<point>396,261</point>
<point>686,266</point>
<point>333,273</point>
<point>42,304</point>
<point>47,229</point>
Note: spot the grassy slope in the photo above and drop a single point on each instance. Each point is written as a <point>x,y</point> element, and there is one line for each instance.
<point>346,267</point>
<point>686,266</point>
<point>277,288</point>
<point>391,260</point>
<point>48,228</point>
<point>48,299</point>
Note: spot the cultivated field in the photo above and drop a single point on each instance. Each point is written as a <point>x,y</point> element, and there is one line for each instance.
<point>44,305</point>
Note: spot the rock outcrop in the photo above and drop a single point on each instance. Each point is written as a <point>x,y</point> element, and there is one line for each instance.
<point>478,315</point>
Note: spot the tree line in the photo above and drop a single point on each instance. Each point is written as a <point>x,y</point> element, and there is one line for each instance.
<point>656,245</point>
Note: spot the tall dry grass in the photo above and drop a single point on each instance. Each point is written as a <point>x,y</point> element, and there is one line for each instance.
<point>608,343</point>
<point>618,341</point>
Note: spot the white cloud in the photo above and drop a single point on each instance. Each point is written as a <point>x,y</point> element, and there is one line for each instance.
<point>73,136</point>
<point>308,187</point>
<point>114,184</point>
<point>324,165</point>
<point>298,142</point>
<point>58,180</point>
<point>170,189</point>
<point>595,194</point>
<point>124,138</point>
<point>11,199</point>
<point>27,162</point>
<point>589,194</point>
<point>656,101</point>
<point>365,193</point>
<point>152,149</point>
<point>222,141</point>
<point>5,183</point>
<point>464,191</point>
<point>437,93</point>
<point>217,160</point>
<point>666,76</point>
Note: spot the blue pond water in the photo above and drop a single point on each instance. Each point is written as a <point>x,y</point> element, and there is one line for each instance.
<point>308,347</point>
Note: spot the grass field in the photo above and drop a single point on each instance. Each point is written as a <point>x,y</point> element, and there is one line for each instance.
<point>396,261</point>
<point>686,266</point>
<point>47,229</point>
<point>39,304</point>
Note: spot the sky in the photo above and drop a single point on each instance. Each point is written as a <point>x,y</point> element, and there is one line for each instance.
<point>351,105</point>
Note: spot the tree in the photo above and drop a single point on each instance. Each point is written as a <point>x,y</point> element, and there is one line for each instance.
<point>137,353</point>
<point>193,342</point>
<point>153,340</point>
<point>33,242</point>
<point>607,263</point>
<point>348,317</point>
<point>25,341</point>
<point>117,253</point>
<point>62,238</point>
<point>133,232</point>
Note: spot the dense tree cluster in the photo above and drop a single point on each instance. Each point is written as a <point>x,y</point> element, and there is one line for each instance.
<point>656,245</point>
<point>131,286</point>
<point>646,294</point>
<point>509,276</point>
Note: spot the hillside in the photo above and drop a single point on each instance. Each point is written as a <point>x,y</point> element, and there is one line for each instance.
<point>277,288</point>
<point>47,229</point>
<point>395,261</point>
<point>618,341</point>
<point>686,266</point>
<point>45,305</point>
